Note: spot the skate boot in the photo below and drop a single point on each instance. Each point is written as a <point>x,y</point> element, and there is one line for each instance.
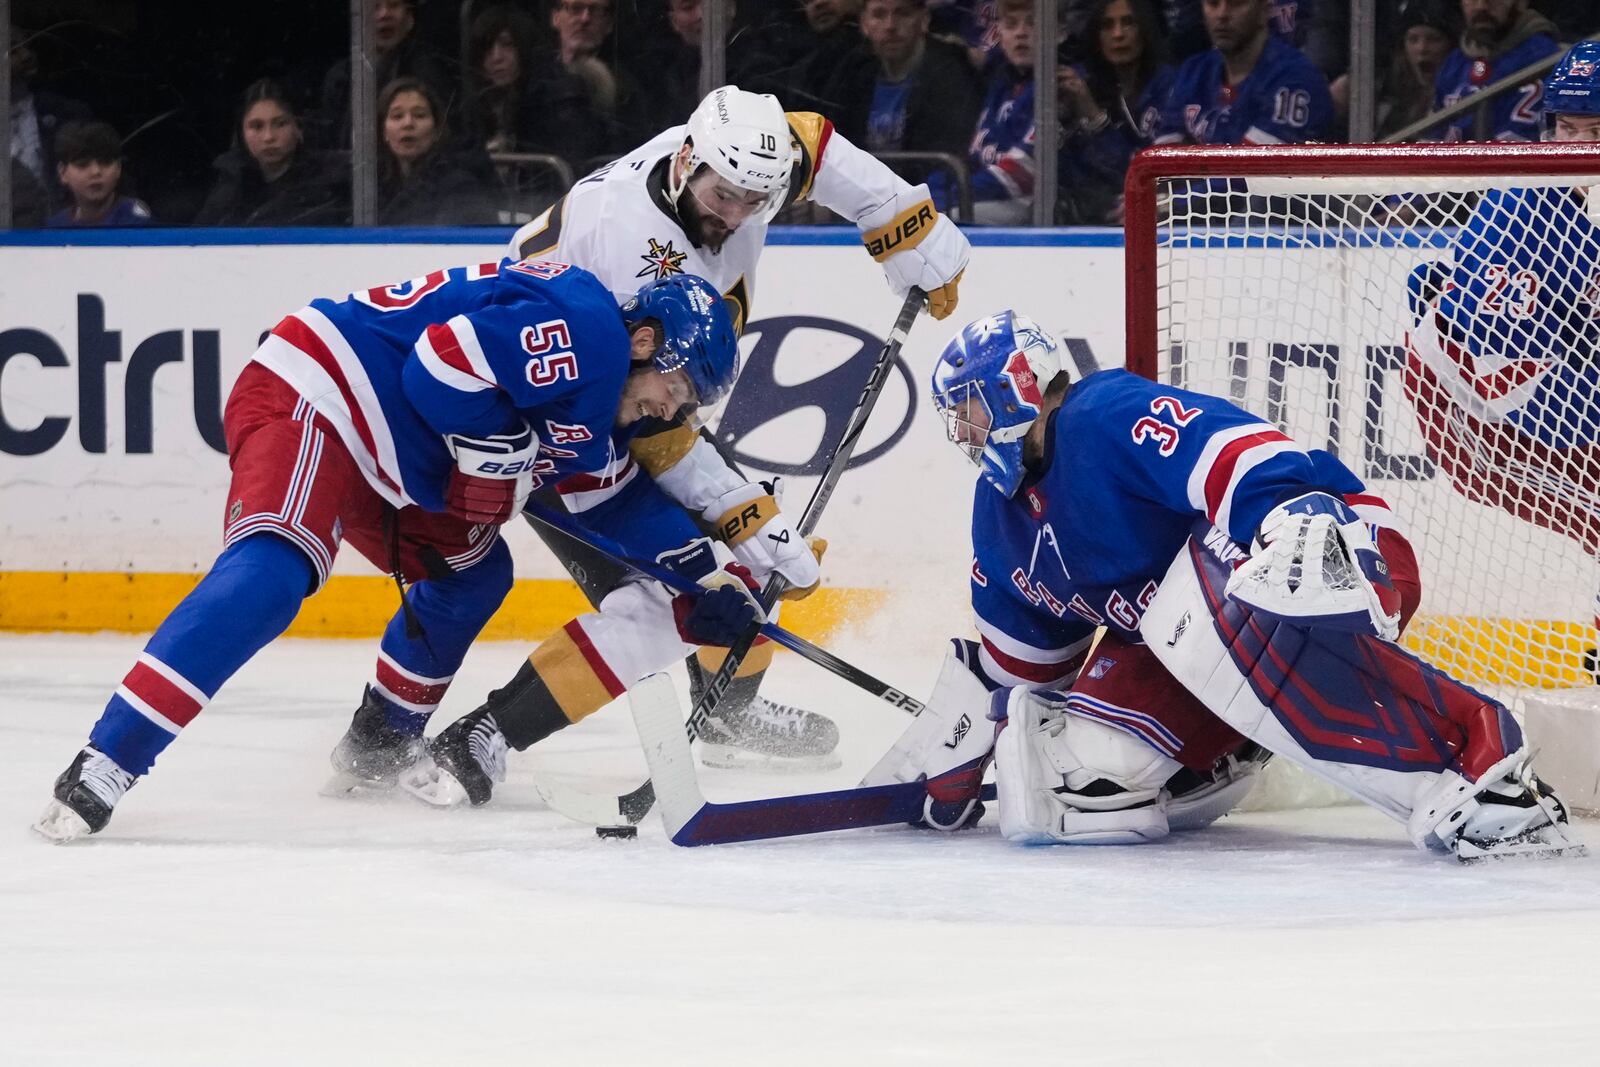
<point>85,795</point>
<point>1507,812</point>
<point>1196,799</point>
<point>372,753</point>
<point>762,734</point>
<point>461,765</point>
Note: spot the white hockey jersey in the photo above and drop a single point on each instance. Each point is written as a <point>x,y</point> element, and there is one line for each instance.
<point>619,224</point>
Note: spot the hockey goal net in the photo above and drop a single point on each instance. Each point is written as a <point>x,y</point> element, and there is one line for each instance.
<point>1428,315</point>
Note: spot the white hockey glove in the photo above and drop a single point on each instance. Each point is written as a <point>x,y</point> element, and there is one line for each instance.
<point>917,246</point>
<point>763,538</point>
<point>493,475</point>
<point>1316,563</point>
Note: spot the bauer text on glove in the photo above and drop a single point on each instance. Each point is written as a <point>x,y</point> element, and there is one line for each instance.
<point>493,475</point>
<point>917,246</point>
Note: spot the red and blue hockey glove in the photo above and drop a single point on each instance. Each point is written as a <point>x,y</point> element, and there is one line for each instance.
<point>492,476</point>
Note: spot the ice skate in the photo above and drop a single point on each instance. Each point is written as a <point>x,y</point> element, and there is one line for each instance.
<point>769,736</point>
<point>370,756</point>
<point>84,797</point>
<point>462,764</point>
<point>1507,812</point>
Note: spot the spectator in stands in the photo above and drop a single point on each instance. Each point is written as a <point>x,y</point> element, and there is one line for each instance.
<point>1499,37</point>
<point>1001,157</point>
<point>582,27</point>
<point>400,54</point>
<point>29,203</point>
<point>674,63</point>
<point>268,176</point>
<point>1319,28</point>
<point>421,181</point>
<point>805,46</point>
<point>36,118</point>
<point>1427,30</point>
<point>1110,106</point>
<point>907,92</point>
<point>517,103</point>
<point>1248,88</point>
<point>89,165</point>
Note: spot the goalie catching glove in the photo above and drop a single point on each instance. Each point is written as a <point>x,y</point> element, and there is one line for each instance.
<point>493,475</point>
<point>1316,563</point>
<point>763,538</point>
<point>917,246</point>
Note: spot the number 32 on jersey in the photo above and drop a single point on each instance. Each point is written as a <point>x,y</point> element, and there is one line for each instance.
<point>1150,428</point>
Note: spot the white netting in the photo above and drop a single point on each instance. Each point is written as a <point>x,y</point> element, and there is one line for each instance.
<point>1441,339</point>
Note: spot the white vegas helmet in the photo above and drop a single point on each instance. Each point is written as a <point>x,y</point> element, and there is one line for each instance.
<point>744,138</point>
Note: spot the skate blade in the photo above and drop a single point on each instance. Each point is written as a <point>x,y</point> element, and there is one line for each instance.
<point>60,824</point>
<point>346,786</point>
<point>432,785</point>
<point>728,758</point>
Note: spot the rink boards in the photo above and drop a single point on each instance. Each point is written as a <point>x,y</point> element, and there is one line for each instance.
<point>117,352</point>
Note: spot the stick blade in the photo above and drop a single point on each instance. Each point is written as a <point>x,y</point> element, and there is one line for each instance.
<point>657,717</point>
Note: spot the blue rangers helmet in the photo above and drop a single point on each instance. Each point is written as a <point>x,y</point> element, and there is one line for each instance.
<point>1573,87</point>
<point>989,384</point>
<point>696,332</point>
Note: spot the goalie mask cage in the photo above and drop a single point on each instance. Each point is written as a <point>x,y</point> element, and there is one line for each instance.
<point>1292,279</point>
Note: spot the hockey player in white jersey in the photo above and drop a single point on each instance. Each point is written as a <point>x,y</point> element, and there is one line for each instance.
<point>698,198</point>
<point>1500,356</point>
<point>1118,504</point>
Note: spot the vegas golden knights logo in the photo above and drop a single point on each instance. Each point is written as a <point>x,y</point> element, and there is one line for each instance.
<point>662,261</point>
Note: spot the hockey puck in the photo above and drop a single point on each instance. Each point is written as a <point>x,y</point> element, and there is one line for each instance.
<point>625,833</point>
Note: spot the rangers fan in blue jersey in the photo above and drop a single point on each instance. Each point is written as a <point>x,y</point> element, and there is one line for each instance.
<point>1121,505</point>
<point>1500,360</point>
<point>1502,37</point>
<point>1248,88</point>
<point>411,420</point>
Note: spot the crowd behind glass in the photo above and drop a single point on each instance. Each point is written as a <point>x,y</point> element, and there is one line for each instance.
<point>131,115</point>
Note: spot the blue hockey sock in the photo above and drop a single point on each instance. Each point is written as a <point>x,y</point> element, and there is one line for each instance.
<point>414,672</point>
<point>249,597</point>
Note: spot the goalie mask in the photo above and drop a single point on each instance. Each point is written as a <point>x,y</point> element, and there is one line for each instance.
<point>697,334</point>
<point>1572,95</point>
<point>743,139</point>
<point>989,385</point>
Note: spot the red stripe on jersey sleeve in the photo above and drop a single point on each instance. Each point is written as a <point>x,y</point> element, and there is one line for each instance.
<point>1220,476</point>
<point>448,348</point>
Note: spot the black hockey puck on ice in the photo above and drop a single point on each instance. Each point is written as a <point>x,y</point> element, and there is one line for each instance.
<point>626,833</point>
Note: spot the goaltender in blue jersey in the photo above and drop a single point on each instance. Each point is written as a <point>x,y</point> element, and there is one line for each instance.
<point>1247,594</point>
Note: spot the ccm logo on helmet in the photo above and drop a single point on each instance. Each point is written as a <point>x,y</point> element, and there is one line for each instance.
<point>901,230</point>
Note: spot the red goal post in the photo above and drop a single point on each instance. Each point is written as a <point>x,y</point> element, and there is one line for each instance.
<point>1279,276</point>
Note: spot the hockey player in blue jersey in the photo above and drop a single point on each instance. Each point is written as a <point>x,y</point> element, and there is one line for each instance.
<point>411,420</point>
<point>1500,358</point>
<point>1121,505</point>
<point>1248,88</point>
<point>1502,37</point>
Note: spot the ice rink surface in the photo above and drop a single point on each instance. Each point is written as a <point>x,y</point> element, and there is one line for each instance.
<point>231,915</point>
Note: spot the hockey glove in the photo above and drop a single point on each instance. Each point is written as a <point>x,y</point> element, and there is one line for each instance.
<point>492,476</point>
<point>1316,563</point>
<point>723,613</point>
<point>763,538</point>
<point>917,246</point>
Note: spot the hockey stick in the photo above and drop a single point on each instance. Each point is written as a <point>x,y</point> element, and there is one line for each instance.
<point>633,805</point>
<point>805,649</point>
<point>691,820</point>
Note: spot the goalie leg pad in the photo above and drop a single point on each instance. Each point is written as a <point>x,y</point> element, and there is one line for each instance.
<point>1359,713</point>
<point>1066,778</point>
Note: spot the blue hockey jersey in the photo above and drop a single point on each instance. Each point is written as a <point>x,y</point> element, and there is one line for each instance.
<point>1001,156</point>
<point>1522,300</point>
<point>1130,464</point>
<point>472,350</point>
<point>1283,100</point>
<point>1514,116</point>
